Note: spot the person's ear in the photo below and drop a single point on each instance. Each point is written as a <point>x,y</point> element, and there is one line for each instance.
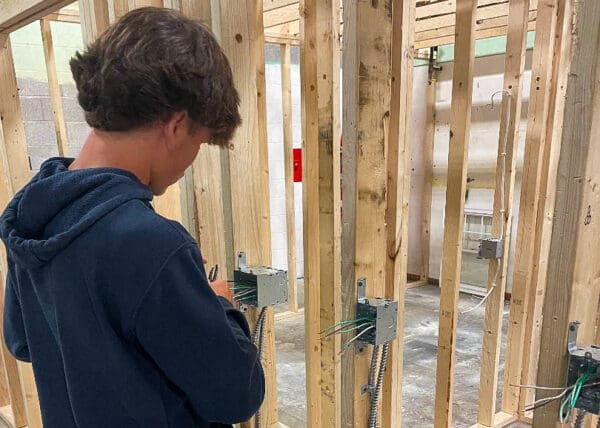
<point>174,128</point>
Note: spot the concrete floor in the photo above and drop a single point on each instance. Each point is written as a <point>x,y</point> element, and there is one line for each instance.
<point>420,338</point>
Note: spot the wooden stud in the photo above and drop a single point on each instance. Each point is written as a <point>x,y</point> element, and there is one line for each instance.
<point>94,18</point>
<point>328,124</point>
<point>242,40</point>
<point>310,202</point>
<point>349,159</point>
<point>428,141</point>
<point>197,9</point>
<point>12,390</point>
<point>398,153</point>
<point>535,142</point>
<point>54,87</point>
<point>543,225</point>
<point>575,174</point>
<point>514,66</point>
<point>211,175</point>
<point>214,218</point>
<point>16,163</point>
<point>460,122</point>
<point>120,8</point>
<point>367,69</point>
<point>290,218</point>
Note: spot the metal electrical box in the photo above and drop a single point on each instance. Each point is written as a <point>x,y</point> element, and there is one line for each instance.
<point>582,361</point>
<point>491,248</point>
<point>271,284</point>
<point>383,312</point>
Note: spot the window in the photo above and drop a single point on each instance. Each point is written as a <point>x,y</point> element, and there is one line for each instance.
<point>477,226</point>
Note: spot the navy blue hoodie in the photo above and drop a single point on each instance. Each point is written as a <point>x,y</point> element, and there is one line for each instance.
<point>111,304</point>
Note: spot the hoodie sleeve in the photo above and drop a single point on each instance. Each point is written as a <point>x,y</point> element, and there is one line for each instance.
<point>14,330</point>
<point>201,342</point>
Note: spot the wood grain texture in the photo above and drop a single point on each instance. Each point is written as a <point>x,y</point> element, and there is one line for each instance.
<point>15,164</point>
<point>428,141</point>
<point>348,239</point>
<point>15,14</point>
<point>372,71</point>
<point>328,124</point>
<point>241,31</point>
<point>285,54</point>
<point>94,18</point>
<point>120,8</point>
<point>54,88</point>
<point>310,205</point>
<point>508,141</point>
<point>571,201</point>
<point>535,143</point>
<point>460,121</point>
<point>545,218</point>
<point>398,158</point>
<point>146,3</point>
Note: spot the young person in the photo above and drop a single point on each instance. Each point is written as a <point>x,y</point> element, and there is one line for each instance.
<point>109,300</point>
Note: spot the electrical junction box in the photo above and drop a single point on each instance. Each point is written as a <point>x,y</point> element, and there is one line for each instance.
<point>491,248</point>
<point>384,314</point>
<point>582,361</point>
<point>271,285</point>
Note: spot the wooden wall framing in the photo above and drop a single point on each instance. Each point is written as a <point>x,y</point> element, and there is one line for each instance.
<point>572,274</point>
<point>320,63</point>
<point>460,122</point>
<point>502,217</point>
<point>559,186</point>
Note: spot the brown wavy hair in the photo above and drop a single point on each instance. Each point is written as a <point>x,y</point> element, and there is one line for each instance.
<point>150,64</point>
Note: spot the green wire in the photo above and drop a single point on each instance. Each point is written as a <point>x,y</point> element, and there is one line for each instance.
<point>574,396</point>
<point>345,323</point>
<point>561,412</point>
<point>577,390</point>
<point>349,329</point>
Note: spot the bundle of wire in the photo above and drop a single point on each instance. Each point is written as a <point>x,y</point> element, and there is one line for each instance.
<point>570,400</point>
<point>360,325</point>
<point>243,293</point>
<point>568,395</point>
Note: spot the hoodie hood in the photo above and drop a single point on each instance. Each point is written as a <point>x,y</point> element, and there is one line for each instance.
<point>58,205</point>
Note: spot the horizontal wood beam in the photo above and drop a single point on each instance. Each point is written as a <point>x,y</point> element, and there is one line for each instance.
<point>497,24</point>
<point>15,14</point>
<point>435,8</point>
<point>269,5</point>
<point>482,12</point>
<point>282,39</point>
<point>282,15</point>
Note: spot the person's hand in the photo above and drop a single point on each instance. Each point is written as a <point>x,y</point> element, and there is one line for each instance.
<point>221,288</point>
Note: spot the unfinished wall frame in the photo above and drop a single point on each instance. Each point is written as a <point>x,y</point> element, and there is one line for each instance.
<point>559,186</point>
